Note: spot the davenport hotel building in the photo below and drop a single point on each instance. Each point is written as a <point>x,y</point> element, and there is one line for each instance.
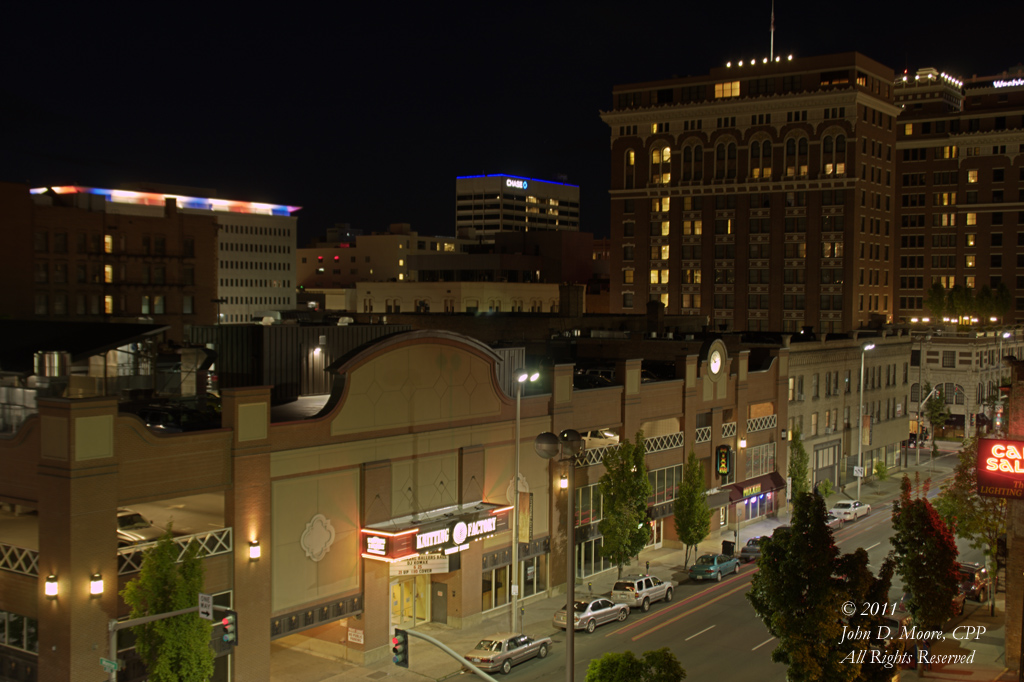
<point>393,507</point>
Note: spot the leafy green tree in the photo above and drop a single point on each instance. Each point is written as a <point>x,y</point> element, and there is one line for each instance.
<point>794,593</point>
<point>625,489</point>
<point>960,301</point>
<point>799,465</point>
<point>825,488</point>
<point>935,301</point>
<point>861,587</point>
<point>175,649</point>
<point>935,410</point>
<point>880,470</point>
<point>660,665</point>
<point>925,553</point>
<point>984,303</point>
<point>692,514</point>
<point>979,520</point>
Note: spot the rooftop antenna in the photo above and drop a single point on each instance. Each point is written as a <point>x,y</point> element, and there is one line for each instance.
<point>771,46</point>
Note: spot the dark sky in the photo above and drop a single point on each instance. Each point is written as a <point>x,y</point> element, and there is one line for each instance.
<point>367,116</point>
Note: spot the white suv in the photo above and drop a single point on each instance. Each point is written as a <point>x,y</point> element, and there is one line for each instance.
<point>640,590</point>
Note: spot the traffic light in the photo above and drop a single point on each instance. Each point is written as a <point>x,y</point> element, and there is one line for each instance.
<point>400,648</point>
<point>230,623</point>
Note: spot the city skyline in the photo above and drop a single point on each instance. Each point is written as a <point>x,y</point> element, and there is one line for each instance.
<point>368,119</point>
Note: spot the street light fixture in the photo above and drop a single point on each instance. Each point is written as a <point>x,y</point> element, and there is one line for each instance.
<point>566,447</point>
<point>521,376</point>
<point>860,416</point>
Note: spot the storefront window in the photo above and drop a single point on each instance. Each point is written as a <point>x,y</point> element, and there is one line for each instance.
<point>534,576</point>
<point>495,588</point>
<point>19,632</point>
<point>588,558</point>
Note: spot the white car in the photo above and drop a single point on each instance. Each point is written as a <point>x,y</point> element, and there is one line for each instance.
<point>850,510</point>
<point>599,438</point>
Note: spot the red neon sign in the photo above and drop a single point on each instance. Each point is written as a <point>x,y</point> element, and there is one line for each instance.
<point>1000,468</point>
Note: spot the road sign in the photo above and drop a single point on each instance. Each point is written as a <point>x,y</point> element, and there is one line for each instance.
<point>206,606</point>
<point>858,472</point>
<point>109,665</point>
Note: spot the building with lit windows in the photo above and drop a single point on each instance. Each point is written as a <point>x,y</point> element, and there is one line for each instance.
<point>759,195</point>
<point>486,205</point>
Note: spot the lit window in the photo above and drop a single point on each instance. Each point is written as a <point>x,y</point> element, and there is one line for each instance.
<point>664,300</point>
<point>665,225</point>
<point>108,305</point>
<point>972,218</point>
<point>908,129</point>
<point>666,155</point>
<point>728,89</point>
<point>654,276</point>
<point>664,277</point>
<point>401,276</point>
<point>970,261</point>
<point>971,237</point>
<point>656,156</point>
<point>627,276</point>
<point>108,243</point>
<point>630,158</point>
<point>972,176</point>
<point>108,273</point>
<point>664,252</point>
<point>401,262</point>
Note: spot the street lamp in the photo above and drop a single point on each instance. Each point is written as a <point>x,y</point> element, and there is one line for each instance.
<point>860,416</point>
<point>920,387</point>
<point>567,448</point>
<point>521,376</point>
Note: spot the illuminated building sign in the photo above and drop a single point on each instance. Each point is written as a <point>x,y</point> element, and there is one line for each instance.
<point>1009,83</point>
<point>376,544</point>
<point>119,196</point>
<point>453,536</point>
<point>517,184</point>
<point>1000,468</point>
<point>722,459</point>
<point>458,533</point>
<point>752,490</point>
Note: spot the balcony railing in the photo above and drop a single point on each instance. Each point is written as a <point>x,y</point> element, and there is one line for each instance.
<point>19,560</point>
<point>729,430</point>
<point>703,434</point>
<point>761,423</point>
<point>212,543</point>
<point>655,444</point>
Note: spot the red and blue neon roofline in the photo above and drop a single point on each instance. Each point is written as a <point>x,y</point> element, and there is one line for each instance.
<point>516,177</point>
<point>121,196</point>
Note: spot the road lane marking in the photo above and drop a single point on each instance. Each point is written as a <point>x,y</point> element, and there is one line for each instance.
<point>763,643</point>
<point>687,613</point>
<point>699,633</point>
<point>872,547</point>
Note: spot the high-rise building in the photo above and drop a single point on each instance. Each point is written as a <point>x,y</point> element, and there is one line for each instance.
<point>960,183</point>
<point>488,204</point>
<point>759,196</point>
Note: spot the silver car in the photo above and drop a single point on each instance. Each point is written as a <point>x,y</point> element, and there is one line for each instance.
<point>833,522</point>
<point>588,614</point>
<point>638,591</point>
<point>133,528</point>
<point>506,649</point>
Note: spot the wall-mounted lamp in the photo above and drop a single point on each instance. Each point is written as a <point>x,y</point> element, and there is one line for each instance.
<point>743,442</point>
<point>254,550</point>
<point>96,585</point>
<point>563,482</point>
<point>320,345</point>
<point>51,586</point>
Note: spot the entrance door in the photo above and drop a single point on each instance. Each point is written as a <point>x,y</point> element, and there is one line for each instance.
<point>438,603</point>
<point>410,601</point>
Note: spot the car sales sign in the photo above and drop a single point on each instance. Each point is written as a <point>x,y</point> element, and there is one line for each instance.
<point>1000,468</point>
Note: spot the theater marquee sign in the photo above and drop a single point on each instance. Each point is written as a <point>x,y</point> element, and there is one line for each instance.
<point>1001,468</point>
<point>448,536</point>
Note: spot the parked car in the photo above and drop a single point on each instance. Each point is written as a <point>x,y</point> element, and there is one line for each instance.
<point>599,438</point>
<point>833,521</point>
<point>958,602</point>
<point>133,528</point>
<point>506,649</point>
<point>850,510</point>
<point>585,381</point>
<point>713,567</point>
<point>974,580</point>
<point>640,591</point>
<point>752,550</point>
<point>588,614</point>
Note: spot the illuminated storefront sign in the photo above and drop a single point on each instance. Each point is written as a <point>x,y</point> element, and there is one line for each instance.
<point>376,544</point>
<point>517,184</point>
<point>752,490</point>
<point>1009,83</point>
<point>450,538</point>
<point>1000,468</point>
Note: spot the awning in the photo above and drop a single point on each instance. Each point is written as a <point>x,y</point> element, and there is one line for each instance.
<point>755,486</point>
<point>719,499</point>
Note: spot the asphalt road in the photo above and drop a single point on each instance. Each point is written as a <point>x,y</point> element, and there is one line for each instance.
<point>710,627</point>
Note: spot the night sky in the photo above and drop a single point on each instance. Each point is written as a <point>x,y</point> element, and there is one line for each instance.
<point>367,116</point>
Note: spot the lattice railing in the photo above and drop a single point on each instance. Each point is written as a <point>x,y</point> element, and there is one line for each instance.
<point>761,423</point>
<point>729,430</point>
<point>19,560</point>
<point>655,444</point>
<point>212,543</point>
<point>703,434</point>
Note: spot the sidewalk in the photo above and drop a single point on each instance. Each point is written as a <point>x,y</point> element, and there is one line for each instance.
<point>429,663</point>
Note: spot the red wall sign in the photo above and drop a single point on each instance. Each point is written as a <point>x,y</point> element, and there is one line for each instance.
<point>1001,468</point>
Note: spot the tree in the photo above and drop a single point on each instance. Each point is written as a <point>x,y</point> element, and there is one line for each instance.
<point>1003,301</point>
<point>979,520</point>
<point>935,410</point>
<point>799,465</point>
<point>625,489</point>
<point>660,665</point>
<point>175,649</point>
<point>794,593</point>
<point>984,303</point>
<point>692,514</point>
<point>935,301</point>
<point>880,470</point>
<point>960,302</point>
<point>863,587</point>
<point>925,554</point>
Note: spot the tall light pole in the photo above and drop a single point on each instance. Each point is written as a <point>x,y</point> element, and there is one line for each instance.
<point>521,376</point>
<point>567,448</point>
<point>920,390</point>
<point>860,416</point>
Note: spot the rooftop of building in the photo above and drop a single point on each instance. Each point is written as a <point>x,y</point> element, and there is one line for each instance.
<point>139,198</point>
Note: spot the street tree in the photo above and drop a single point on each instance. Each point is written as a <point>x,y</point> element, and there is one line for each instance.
<point>175,649</point>
<point>960,302</point>
<point>935,301</point>
<point>798,599</point>
<point>977,519</point>
<point>984,302</point>
<point>880,470</point>
<point>692,514</point>
<point>660,665</point>
<point>935,410</point>
<point>625,489</point>
<point>926,558</point>
<point>860,586</point>
<point>799,465</point>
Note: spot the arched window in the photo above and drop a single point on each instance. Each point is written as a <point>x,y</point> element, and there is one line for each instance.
<point>661,169</point>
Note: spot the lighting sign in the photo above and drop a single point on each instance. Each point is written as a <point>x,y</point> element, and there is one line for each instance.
<point>1000,468</point>
<point>722,460</point>
<point>752,490</point>
<point>453,537</point>
<point>375,544</point>
<point>517,184</point>
<point>458,533</point>
<point>1009,83</point>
